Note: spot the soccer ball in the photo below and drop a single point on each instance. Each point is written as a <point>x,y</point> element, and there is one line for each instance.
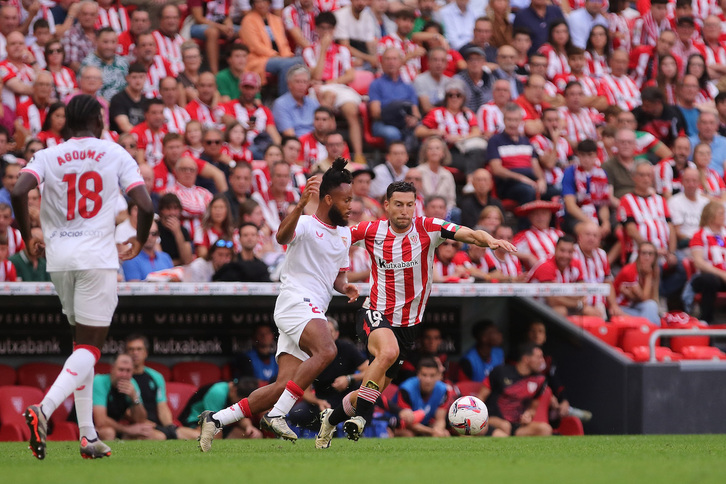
<point>468,416</point>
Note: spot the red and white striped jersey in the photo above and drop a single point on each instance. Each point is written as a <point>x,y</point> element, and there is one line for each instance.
<point>275,211</point>
<point>446,269</point>
<point>8,70</point>
<point>540,243</point>
<point>150,142</point>
<point>712,246</point>
<point>293,16</point>
<point>158,70</point>
<point>556,61</point>
<point>210,118</point>
<point>621,91</point>
<point>646,31</point>
<point>668,178</point>
<point>15,241</point>
<point>490,118</point>
<point>596,65</point>
<point>712,184</point>
<point>115,17</point>
<point>337,60</point>
<point>704,8</point>
<point>312,151</point>
<point>509,266</point>
<point>619,24</point>
<point>260,177</point>
<point>169,48</point>
<point>38,54</point>
<point>49,139</point>
<point>713,54</point>
<point>64,82</point>
<point>410,69</point>
<point>651,216</point>
<point>237,154</point>
<point>32,116</point>
<point>126,44</point>
<point>547,271</point>
<point>176,119</point>
<point>542,144</point>
<point>627,277</point>
<point>442,119</point>
<point>596,269</point>
<point>589,84</point>
<point>579,126</point>
<point>327,5</point>
<point>7,271</point>
<point>205,238</point>
<point>164,179</point>
<point>194,201</point>
<point>402,266</point>
<point>670,90</point>
<point>263,117</point>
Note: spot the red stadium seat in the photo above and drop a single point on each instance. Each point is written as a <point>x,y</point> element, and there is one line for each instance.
<point>640,336</point>
<point>161,368</point>
<point>227,372</point>
<point>7,375</point>
<point>469,388</point>
<point>374,142</point>
<point>13,402</point>
<point>177,396</point>
<point>642,354</point>
<point>198,373</point>
<point>605,332</point>
<point>102,368</point>
<point>64,432</point>
<point>362,81</point>
<point>570,426</point>
<point>626,324</point>
<point>38,375</point>
<point>702,353</point>
<point>543,409</point>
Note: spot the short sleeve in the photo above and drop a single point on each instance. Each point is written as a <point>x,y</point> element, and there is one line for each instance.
<point>160,387</point>
<point>36,167</point>
<point>129,175</point>
<point>543,273</point>
<point>429,120</point>
<point>358,232</point>
<point>568,182</point>
<point>101,386</point>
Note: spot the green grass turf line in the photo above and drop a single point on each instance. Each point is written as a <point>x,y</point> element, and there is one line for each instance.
<point>697,459</point>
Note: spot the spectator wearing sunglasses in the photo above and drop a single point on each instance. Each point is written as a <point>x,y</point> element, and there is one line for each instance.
<point>249,268</point>
<point>149,259</point>
<point>203,268</point>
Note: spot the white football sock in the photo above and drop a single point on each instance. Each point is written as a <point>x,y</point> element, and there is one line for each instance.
<point>77,367</point>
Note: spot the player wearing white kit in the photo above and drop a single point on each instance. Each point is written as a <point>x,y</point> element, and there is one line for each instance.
<point>402,255</point>
<point>315,264</point>
<point>80,182</point>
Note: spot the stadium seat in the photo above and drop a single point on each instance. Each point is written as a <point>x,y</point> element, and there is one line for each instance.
<point>7,375</point>
<point>636,328</point>
<point>570,426</point>
<point>13,401</point>
<point>198,373</point>
<point>177,396</point>
<point>64,432</point>
<point>38,375</point>
<point>161,368</point>
<point>227,372</point>
<point>468,388</point>
<point>642,354</point>
<point>605,332</point>
<point>102,368</point>
<point>362,81</point>
<point>702,353</point>
<point>684,321</point>
<point>374,142</point>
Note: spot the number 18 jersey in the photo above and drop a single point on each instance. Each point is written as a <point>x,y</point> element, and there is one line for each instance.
<point>81,180</point>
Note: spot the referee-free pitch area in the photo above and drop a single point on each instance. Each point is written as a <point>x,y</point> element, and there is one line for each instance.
<point>599,459</point>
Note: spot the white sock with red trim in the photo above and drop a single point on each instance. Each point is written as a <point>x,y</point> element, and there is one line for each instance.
<point>83,396</point>
<point>233,414</point>
<point>74,372</point>
<point>287,400</point>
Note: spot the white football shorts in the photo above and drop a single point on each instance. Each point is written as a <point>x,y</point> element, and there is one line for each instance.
<point>88,297</point>
<point>292,314</point>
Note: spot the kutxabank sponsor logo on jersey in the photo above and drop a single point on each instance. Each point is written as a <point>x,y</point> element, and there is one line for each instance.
<point>383,264</point>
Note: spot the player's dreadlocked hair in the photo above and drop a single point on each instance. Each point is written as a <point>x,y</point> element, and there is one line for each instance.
<point>335,176</point>
<point>81,111</point>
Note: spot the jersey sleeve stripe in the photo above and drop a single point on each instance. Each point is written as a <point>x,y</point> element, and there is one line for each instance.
<point>134,185</point>
<point>32,172</point>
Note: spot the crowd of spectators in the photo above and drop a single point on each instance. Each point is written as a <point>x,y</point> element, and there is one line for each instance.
<point>590,133</point>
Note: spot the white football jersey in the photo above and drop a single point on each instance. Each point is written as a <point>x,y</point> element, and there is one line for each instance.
<point>317,253</point>
<point>81,180</point>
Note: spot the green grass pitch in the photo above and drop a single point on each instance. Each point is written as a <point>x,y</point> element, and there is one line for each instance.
<point>598,459</point>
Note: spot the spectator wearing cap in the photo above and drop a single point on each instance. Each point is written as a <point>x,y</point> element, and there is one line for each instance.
<point>430,85</point>
<point>264,34</point>
<point>582,20</point>
<point>229,78</point>
<point>457,125</point>
<point>331,71</point>
<point>458,19</point>
<point>563,267</point>
<point>393,103</point>
<point>149,259</point>
<point>294,111</point>
<point>393,169</point>
<point>685,48</point>
<point>478,81</point>
<point>513,161</point>
<point>257,119</point>
<point>536,18</point>
<point>361,186</point>
<point>538,242</point>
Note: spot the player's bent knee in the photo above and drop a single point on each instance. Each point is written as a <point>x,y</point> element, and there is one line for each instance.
<point>388,356</point>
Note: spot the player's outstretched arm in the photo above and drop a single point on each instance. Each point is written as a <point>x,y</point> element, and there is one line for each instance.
<point>19,199</point>
<point>145,218</point>
<point>342,285</point>
<point>287,227</point>
<point>482,239</point>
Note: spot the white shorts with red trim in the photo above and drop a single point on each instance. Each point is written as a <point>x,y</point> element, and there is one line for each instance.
<point>292,315</point>
<point>88,297</point>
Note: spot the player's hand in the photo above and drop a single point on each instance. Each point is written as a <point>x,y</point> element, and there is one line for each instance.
<point>130,249</point>
<point>502,244</point>
<point>526,418</point>
<point>351,290</point>
<point>126,387</point>
<point>311,188</point>
<point>35,246</point>
<point>564,408</point>
<point>340,383</point>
